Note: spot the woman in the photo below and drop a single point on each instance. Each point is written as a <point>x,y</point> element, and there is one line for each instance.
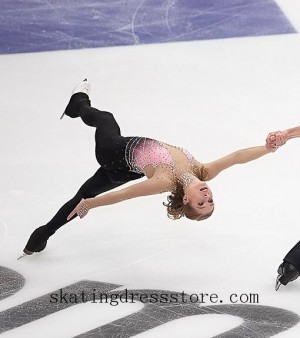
<point>122,159</point>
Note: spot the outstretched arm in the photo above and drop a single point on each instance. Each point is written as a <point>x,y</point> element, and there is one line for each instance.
<point>152,186</point>
<point>238,157</point>
<point>273,142</point>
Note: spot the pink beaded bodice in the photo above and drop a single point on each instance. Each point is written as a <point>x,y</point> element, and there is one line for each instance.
<point>145,151</point>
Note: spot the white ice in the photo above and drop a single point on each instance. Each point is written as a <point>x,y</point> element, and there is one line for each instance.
<point>211,97</point>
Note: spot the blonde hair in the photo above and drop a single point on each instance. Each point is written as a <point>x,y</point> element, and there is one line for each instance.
<point>175,207</point>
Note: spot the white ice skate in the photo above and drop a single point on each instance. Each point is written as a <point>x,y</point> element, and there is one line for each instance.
<point>83,87</point>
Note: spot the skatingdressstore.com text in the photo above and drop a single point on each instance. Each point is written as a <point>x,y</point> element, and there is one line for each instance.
<point>162,298</point>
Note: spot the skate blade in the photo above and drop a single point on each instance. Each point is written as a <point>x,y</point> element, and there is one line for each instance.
<point>22,256</point>
<point>278,284</point>
<point>63,114</point>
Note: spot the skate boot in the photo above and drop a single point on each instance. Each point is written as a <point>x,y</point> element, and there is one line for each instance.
<point>286,273</point>
<point>290,268</point>
<point>37,241</point>
<point>79,94</point>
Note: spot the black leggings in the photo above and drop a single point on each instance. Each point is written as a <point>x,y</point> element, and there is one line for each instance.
<point>114,171</point>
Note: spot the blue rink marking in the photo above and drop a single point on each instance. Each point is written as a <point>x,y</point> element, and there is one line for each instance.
<point>46,25</point>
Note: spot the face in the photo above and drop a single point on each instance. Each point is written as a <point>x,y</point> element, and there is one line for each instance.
<point>199,197</point>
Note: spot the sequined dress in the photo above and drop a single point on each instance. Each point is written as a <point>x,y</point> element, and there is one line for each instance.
<point>142,151</point>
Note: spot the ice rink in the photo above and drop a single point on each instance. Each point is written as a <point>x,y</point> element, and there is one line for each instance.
<point>209,78</point>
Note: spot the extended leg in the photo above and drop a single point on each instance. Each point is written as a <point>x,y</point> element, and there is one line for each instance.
<point>110,145</point>
<point>94,186</point>
<point>80,106</point>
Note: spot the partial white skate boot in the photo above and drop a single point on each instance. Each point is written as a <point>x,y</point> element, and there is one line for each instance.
<point>83,87</point>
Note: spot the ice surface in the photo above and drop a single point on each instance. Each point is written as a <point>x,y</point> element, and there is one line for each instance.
<point>40,25</point>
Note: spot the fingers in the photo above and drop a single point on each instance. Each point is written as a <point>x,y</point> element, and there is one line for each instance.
<point>271,142</point>
<point>81,210</point>
<point>271,148</point>
<point>74,212</point>
<point>276,140</point>
<point>281,138</point>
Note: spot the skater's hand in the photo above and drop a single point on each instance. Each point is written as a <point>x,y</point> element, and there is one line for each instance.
<point>276,139</point>
<point>81,209</point>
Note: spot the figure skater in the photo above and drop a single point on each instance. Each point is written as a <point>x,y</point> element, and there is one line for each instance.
<point>122,159</point>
